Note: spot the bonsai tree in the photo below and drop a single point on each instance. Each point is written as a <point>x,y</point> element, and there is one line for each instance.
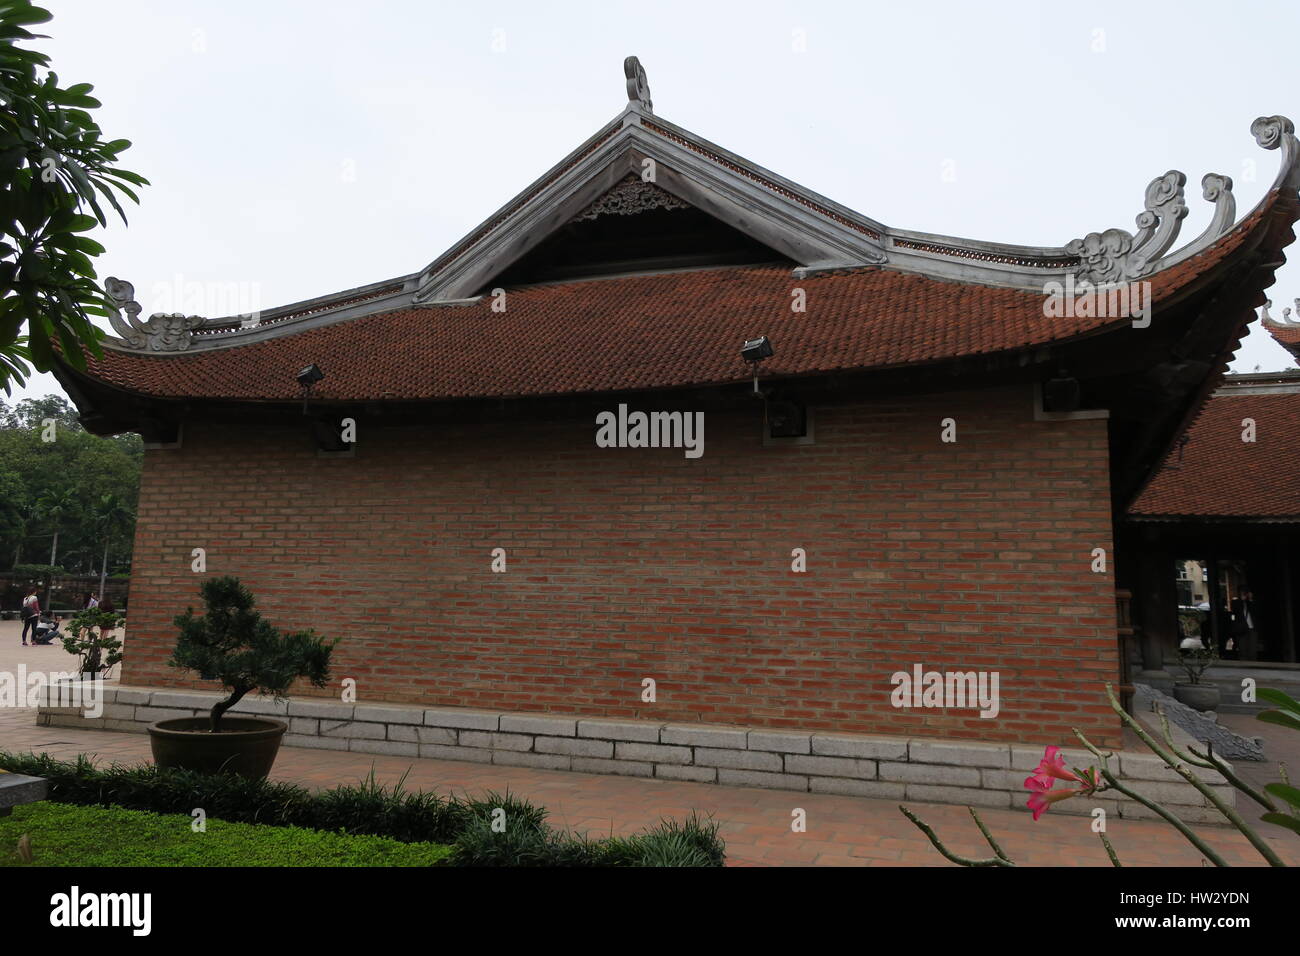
<point>90,637</point>
<point>231,643</point>
<point>1196,659</point>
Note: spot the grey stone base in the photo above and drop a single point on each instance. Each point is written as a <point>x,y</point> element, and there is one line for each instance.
<point>1202,727</point>
<point>923,769</point>
<point>17,789</point>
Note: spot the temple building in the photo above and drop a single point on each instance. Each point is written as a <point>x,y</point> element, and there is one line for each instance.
<point>1224,514</point>
<point>915,451</point>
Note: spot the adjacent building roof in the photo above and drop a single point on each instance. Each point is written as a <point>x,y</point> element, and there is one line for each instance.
<point>1218,474</point>
<point>1285,332</point>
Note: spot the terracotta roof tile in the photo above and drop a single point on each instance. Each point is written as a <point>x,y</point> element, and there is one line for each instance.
<point>629,333</point>
<point>1220,475</point>
<point>1287,337</point>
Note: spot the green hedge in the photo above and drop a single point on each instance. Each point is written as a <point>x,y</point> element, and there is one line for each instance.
<point>370,808</point>
<point>61,834</point>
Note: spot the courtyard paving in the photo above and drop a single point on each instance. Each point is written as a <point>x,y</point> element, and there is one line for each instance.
<point>756,824</point>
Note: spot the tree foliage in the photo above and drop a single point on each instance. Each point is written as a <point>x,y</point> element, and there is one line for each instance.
<point>63,485</point>
<point>56,172</point>
<point>90,636</point>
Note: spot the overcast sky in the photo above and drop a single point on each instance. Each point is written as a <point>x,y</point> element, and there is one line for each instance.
<point>301,148</point>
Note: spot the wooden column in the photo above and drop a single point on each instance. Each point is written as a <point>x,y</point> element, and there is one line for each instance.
<point>1288,598</point>
<point>1156,611</point>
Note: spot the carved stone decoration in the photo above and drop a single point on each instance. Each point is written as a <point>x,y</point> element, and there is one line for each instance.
<point>1278,132</point>
<point>1159,223</point>
<point>1102,255</point>
<point>1117,255</point>
<point>1217,188</point>
<point>629,198</point>
<point>638,87</point>
<point>171,332</point>
<point>121,297</point>
<point>1263,312</point>
<point>1270,131</point>
<point>161,332</point>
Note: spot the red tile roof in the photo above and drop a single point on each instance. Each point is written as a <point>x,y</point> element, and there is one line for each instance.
<point>1221,476</point>
<point>1288,338</point>
<point>638,332</point>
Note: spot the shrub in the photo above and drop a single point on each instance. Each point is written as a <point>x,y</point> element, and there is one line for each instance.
<point>371,808</point>
<point>63,835</point>
<point>89,637</point>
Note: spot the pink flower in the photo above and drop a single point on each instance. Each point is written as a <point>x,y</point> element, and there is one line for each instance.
<point>1042,799</point>
<point>1050,769</point>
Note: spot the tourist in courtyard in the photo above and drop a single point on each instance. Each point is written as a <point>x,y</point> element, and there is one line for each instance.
<point>31,614</point>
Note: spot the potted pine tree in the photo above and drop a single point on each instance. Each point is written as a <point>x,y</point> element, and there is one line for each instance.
<point>1196,656</point>
<point>231,643</point>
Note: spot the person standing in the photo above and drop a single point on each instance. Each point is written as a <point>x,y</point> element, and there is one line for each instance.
<point>90,602</point>
<point>31,614</point>
<point>1245,636</point>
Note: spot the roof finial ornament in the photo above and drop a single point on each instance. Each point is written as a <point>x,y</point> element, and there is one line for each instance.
<point>161,332</point>
<point>1278,132</point>
<point>638,87</point>
<point>1263,312</point>
<point>1118,255</point>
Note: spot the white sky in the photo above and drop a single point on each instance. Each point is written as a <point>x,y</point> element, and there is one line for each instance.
<point>301,148</point>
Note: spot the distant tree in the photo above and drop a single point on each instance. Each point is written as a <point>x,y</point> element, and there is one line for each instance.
<point>33,468</point>
<point>111,517</point>
<point>34,412</point>
<point>55,167</point>
<point>58,507</point>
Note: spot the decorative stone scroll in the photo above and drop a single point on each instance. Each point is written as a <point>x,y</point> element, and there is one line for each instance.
<point>1278,132</point>
<point>1117,255</point>
<point>629,198</point>
<point>1286,322</point>
<point>638,87</point>
<point>161,332</point>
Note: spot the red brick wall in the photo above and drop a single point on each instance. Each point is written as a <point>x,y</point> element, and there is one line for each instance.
<point>633,563</point>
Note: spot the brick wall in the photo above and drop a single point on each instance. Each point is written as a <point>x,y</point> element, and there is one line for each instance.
<point>633,563</point>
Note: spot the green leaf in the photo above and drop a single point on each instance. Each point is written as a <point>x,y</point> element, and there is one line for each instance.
<point>1287,792</point>
<point>1283,820</point>
<point>1279,718</point>
<point>1278,699</point>
<point>25,15</point>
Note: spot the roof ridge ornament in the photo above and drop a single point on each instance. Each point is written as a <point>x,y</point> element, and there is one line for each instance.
<point>1278,132</point>
<point>1117,255</point>
<point>638,87</point>
<point>1286,322</point>
<point>161,332</point>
